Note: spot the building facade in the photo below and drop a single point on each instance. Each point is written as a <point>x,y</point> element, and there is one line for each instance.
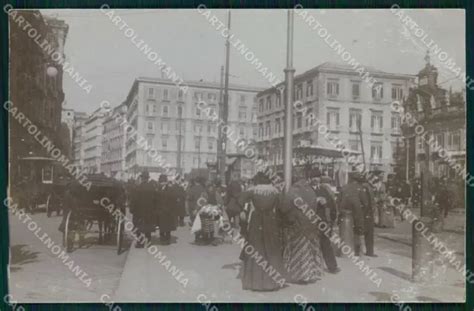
<point>36,90</point>
<point>92,140</point>
<point>442,116</point>
<point>113,144</point>
<point>164,115</point>
<point>78,138</point>
<point>340,100</point>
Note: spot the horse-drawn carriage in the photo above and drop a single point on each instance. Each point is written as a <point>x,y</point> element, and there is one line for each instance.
<point>102,205</point>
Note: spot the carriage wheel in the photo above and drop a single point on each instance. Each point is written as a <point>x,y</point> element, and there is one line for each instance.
<point>120,236</point>
<point>48,206</point>
<point>68,237</point>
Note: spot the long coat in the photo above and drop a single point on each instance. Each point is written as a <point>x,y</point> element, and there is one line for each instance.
<point>167,213</point>
<point>262,229</point>
<point>143,207</point>
<point>351,200</point>
<point>180,199</point>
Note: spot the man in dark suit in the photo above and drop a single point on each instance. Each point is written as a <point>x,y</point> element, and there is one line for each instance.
<point>167,215</point>
<point>142,207</point>
<point>352,205</point>
<point>367,200</point>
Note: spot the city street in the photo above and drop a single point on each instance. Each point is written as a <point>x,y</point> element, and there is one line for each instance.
<point>37,275</point>
<point>212,271</point>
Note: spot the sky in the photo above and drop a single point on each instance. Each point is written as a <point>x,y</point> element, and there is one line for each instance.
<point>185,40</point>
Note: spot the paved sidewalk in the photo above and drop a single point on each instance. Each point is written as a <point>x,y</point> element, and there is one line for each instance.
<point>213,271</point>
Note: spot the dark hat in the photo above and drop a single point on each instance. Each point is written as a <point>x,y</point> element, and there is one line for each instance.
<point>163,178</point>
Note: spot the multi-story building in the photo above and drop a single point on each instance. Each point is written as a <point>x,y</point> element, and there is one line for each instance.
<point>93,130</point>
<point>340,99</point>
<point>78,138</point>
<point>164,115</point>
<point>36,90</point>
<point>113,144</point>
<point>442,116</point>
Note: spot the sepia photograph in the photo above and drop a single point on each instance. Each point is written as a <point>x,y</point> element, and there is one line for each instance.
<point>210,155</point>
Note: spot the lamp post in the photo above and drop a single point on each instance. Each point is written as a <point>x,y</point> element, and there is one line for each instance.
<point>289,91</point>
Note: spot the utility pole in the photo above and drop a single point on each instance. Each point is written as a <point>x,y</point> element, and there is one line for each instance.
<point>180,119</point>
<point>220,150</point>
<point>359,121</point>
<point>225,110</point>
<point>289,92</point>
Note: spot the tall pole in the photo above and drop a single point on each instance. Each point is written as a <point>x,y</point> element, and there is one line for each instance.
<point>226,98</point>
<point>220,150</point>
<point>359,121</point>
<point>180,119</point>
<point>289,91</point>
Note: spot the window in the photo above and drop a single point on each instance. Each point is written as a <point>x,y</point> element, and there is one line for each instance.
<point>299,92</point>
<point>260,105</point>
<point>309,118</point>
<point>376,151</point>
<point>254,131</point>
<point>299,120</point>
<point>198,110</point>
<point>377,91</point>
<point>269,103</point>
<point>165,94</point>
<point>278,100</point>
<point>332,119</point>
<point>211,97</point>
<point>355,118</point>
<point>356,90</point>
<point>164,127</point>
<point>165,111</point>
<point>254,116</point>
<point>354,144</point>
<point>149,126</point>
<point>395,123</point>
<point>47,174</point>
<point>197,128</point>
<point>454,141</point>
<point>180,94</point>
<point>277,126</point>
<point>242,99</point>
<point>242,114</point>
<point>397,92</point>
<point>376,122</point>
<point>332,88</point>
<point>309,88</point>
<point>242,131</point>
<point>267,129</point>
<point>197,143</point>
<point>180,112</point>
<point>151,93</point>
<point>198,96</point>
<point>164,143</point>
<point>210,145</point>
<point>260,130</point>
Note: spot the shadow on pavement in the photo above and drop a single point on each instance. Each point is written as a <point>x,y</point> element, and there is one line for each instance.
<point>397,273</point>
<point>21,256</point>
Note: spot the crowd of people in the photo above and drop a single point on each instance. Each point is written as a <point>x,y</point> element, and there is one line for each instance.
<point>280,227</point>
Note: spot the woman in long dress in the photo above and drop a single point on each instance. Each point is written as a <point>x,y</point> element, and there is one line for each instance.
<point>262,258</point>
<point>302,255</point>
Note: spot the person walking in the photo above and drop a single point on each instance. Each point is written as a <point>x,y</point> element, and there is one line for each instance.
<point>262,269</point>
<point>233,207</point>
<point>302,254</point>
<point>367,200</point>
<point>142,206</point>
<point>351,206</point>
<point>327,212</point>
<point>167,216</point>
